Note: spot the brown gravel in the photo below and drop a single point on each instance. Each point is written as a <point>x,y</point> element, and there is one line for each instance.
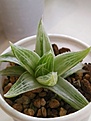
<point>7,87</point>
<point>42,112</point>
<point>45,103</point>
<point>18,107</point>
<point>54,103</point>
<point>62,112</point>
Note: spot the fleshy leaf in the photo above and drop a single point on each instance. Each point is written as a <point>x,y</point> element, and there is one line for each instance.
<point>43,44</point>
<point>8,57</point>
<point>46,69</point>
<point>12,71</point>
<point>66,61</point>
<point>25,83</point>
<point>26,58</point>
<point>69,93</point>
<point>45,65</point>
<point>73,70</point>
<point>50,79</point>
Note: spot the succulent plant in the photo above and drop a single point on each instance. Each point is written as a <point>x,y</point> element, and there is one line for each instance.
<point>41,68</point>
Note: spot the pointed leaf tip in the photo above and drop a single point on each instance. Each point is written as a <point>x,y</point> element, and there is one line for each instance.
<point>43,44</point>
<point>66,61</point>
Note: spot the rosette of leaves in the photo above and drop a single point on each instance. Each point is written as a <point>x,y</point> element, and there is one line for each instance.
<point>41,68</point>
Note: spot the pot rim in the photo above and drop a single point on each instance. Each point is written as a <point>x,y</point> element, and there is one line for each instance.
<point>16,114</point>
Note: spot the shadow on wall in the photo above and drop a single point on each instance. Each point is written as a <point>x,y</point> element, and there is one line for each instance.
<point>20,17</point>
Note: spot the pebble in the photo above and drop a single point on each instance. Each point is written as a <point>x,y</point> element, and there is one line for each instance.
<point>54,103</point>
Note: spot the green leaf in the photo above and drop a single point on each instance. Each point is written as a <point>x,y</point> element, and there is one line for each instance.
<point>47,70</point>
<point>73,70</point>
<point>66,61</point>
<point>41,70</point>
<point>24,84</point>
<point>50,79</point>
<point>12,71</point>
<point>8,57</point>
<point>43,44</point>
<point>69,93</point>
<point>26,58</point>
<point>45,64</point>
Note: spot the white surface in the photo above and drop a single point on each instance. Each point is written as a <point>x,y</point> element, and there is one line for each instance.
<point>4,116</point>
<point>71,17</point>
